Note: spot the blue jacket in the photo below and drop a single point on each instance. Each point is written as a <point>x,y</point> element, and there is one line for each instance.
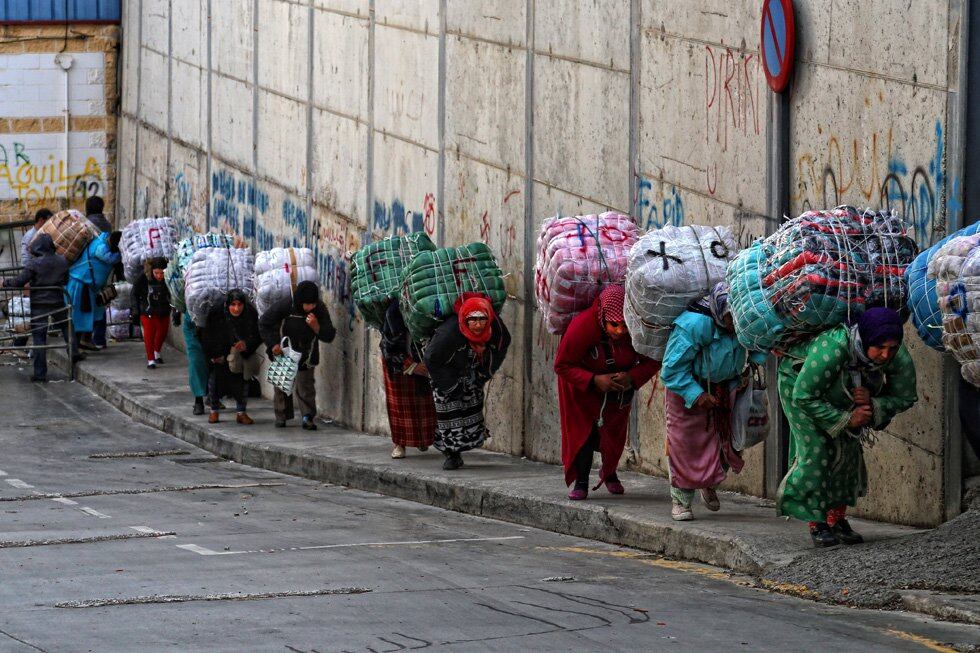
<point>699,350</point>
<point>95,264</point>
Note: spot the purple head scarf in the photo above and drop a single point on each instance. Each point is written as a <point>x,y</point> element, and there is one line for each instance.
<point>879,325</point>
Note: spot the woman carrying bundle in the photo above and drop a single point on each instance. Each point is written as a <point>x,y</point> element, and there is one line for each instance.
<point>834,388</point>
<point>598,372</point>
<point>150,309</point>
<point>461,358</point>
<point>702,369</point>
<point>86,278</point>
<point>411,412</point>
<point>230,339</point>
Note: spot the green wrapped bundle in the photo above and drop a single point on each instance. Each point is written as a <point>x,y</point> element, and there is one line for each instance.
<point>173,276</point>
<point>434,280</point>
<point>376,272</point>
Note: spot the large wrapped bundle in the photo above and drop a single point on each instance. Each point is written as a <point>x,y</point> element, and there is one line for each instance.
<point>277,271</point>
<point>923,303</point>
<point>19,314</point>
<point>577,256</point>
<point>668,269</point>
<point>433,281</point>
<point>177,266</point>
<point>955,267</point>
<point>817,271</point>
<point>71,232</point>
<point>146,239</point>
<point>376,272</point>
<point>212,272</point>
<point>119,326</point>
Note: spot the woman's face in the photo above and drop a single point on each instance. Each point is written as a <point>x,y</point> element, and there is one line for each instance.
<point>236,307</point>
<point>158,274</point>
<point>883,353</point>
<point>477,325</point>
<point>616,330</point>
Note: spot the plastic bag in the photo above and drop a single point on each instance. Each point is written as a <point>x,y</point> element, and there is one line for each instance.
<point>284,368</point>
<point>750,414</point>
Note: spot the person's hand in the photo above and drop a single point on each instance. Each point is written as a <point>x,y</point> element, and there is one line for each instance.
<point>277,350</point>
<point>240,345</point>
<point>622,381</point>
<point>312,322</point>
<point>862,396</point>
<point>860,417</point>
<point>603,382</point>
<point>219,359</point>
<point>705,402</point>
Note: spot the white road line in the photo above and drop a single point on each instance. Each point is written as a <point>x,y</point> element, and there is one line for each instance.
<point>2,473</point>
<point>67,502</point>
<point>208,552</point>
<point>16,482</point>
<point>94,512</point>
<point>150,531</point>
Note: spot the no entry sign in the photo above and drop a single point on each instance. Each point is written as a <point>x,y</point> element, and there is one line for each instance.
<point>778,42</point>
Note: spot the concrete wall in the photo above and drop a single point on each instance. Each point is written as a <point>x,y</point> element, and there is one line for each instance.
<point>44,160</point>
<point>329,123</point>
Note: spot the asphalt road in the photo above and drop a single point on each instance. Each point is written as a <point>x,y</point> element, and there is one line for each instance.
<point>104,548</point>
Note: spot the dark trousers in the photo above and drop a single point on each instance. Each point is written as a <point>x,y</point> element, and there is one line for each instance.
<point>221,380</point>
<point>583,459</point>
<point>39,334</point>
<point>98,333</point>
<point>305,392</point>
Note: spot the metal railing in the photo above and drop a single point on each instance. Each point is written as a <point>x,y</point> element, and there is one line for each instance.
<point>21,327</point>
<point>10,243</point>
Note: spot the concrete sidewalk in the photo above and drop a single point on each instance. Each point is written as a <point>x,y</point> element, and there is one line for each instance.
<point>745,536</point>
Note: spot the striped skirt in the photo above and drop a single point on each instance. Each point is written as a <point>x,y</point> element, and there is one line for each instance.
<point>411,412</point>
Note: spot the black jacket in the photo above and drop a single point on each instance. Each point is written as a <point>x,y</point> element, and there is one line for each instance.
<point>448,355</point>
<point>45,268</point>
<point>285,319</point>
<point>396,343</point>
<point>101,222</point>
<point>223,330</point>
<point>149,297</point>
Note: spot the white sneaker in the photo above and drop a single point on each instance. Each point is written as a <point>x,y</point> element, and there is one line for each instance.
<point>398,452</point>
<point>710,498</point>
<point>680,512</point>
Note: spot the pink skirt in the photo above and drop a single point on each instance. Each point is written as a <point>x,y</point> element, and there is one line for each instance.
<point>697,453</point>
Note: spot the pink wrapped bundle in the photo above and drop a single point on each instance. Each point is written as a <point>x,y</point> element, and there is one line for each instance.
<point>577,256</point>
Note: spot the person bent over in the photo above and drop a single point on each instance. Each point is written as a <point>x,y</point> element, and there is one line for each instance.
<point>230,339</point>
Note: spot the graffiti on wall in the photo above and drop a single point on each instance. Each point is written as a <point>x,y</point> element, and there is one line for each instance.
<point>235,202</point>
<point>658,208</point>
<point>30,176</point>
<point>394,219</point>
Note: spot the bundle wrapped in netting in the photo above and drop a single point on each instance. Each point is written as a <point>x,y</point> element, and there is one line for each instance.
<point>71,232</point>
<point>212,272</point>
<point>19,314</point>
<point>124,292</point>
<point>177,266</point>
<point>923,303</point>
<point>119,325</point>
<point>146,239</point>
<point>817,271</point>
<point>278,271</point>
<point>668,269</point>
<point>433,281</point>
<point>955,267</point>
<point>376,272</point>
<point>577,256</point>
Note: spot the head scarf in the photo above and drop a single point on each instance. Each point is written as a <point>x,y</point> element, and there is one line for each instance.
<point>610,302</point>
<point>475,305</point>
<point>716,303</point>
<point>306,292</point>
<point>158,263</point>
<point>879,325</point>
<point>236,295</point>
<point>42,244</point>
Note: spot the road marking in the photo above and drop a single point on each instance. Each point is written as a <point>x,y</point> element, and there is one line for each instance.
<point>142,490</point>
<point>148,531</point>
<point>2,473</point>
<point>232,596</point>
<point>67,502</point>
<point>200,550</point>
<point>10,544</point>
<point>930,644</point>
<point>16,482</point>
<point>644,558</point>
<point>94,512</point>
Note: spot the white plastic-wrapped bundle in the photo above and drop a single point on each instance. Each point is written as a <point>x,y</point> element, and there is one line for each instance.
<point>956,269</point>
<point>668,269</point>
<point>577,256</point>
<point>278,271</point>
<point>211,273</point>
<point>19,314</point>
<point>174,274</point>
<point>119,326</point>
<point>146,239</point>
<point>124,292</point>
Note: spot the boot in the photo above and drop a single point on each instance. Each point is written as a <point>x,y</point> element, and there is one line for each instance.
<point>213,417</point>
<point>243,418</point>
<point>845,533</point>
<point>823,536</point>
<point>453,460</point>
<point>308,423</point>
<point>198,405</point>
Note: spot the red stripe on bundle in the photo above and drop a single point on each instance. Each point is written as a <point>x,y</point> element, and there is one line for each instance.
<point>837,229</point>
<point>815,279</point>
<point>801,260</point>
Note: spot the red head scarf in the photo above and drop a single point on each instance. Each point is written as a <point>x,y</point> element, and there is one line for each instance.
<point>469,304</point>
<point>611,301</point>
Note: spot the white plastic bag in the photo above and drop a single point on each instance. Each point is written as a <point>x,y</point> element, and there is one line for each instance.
<point>284,368</point>
<point>750,414</point>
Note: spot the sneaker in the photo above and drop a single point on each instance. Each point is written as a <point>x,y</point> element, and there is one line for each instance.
<point>213,417</point>
<point>398,452</point>
<point>453,461</point>
<point>243,418</point>
<point>579,492</point>
<point>823,536</point>
<point>710,498</point>
<point>614,486</point>
<point>280,423</point>
<point>308,424</point>
<point>680,512</point>
<point>158,361</point>
<point>151,365</point>
<point>842,529</point>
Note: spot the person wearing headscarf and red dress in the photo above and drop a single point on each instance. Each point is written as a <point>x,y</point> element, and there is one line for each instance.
<point>462,356</point>
<point>598,372</point>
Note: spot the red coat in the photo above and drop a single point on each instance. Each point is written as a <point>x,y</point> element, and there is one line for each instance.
<point>580,357</point>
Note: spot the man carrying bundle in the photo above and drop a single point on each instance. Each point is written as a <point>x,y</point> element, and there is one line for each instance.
<point>304,320</point>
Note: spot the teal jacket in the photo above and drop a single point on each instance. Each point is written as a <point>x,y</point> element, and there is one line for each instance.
<point>94,265</point>
<point>699,350</point>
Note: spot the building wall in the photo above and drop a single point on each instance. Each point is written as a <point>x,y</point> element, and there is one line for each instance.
<point>41,163</point>
<point>328,123</point>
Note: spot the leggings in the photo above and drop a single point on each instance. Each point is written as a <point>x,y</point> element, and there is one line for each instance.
<point>583,459</point>
<point>155,329</point>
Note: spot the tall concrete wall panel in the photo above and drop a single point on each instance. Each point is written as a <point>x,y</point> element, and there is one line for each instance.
<point>333,123</point>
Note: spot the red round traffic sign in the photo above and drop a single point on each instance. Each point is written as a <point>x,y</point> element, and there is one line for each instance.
<point>778,42</point>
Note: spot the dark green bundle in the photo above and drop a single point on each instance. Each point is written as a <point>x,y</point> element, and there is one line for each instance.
<point>434,280</point>
<point>376,272</point>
